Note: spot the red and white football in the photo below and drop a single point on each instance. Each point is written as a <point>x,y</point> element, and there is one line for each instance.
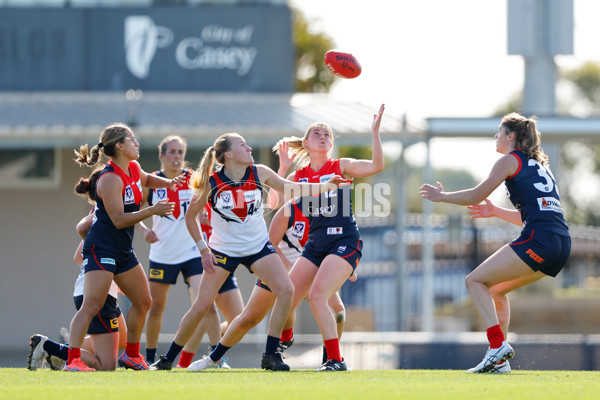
<point>344,65</point>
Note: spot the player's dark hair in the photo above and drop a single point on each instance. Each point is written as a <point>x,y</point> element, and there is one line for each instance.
<point>86,187</point>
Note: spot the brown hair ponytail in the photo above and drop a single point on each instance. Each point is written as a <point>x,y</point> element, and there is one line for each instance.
<point>527,137</point>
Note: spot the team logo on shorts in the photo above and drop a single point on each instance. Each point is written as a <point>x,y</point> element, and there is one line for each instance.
<point>161,194</point>
<point>110,261</point>
<point>157,273</point>
<point>221,259</point>
<point>335,230</point>
<point>114,323</point>
<point>341,249</point>
<point>84,263</point>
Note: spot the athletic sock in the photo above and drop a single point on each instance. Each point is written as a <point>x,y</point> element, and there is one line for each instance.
<point>150,355</point>
<point>287,335</point>
<point>56,349</point>
<point>272,345</point>
<point>173,352</point>
<point>185,359</point>
<point>332,347</point>
<point>218,352</point>
<point>495,336</point>
<point>73,354</point>
<point>132,349</point>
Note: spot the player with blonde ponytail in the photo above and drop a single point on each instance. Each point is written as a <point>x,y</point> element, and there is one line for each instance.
<point>240,236</point>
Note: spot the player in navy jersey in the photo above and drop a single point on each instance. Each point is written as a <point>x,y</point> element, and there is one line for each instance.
<point>108,251</point>
<point>544,245</point>
<point>334,247</point>
<point>172,251</point>
<point>234,193</point>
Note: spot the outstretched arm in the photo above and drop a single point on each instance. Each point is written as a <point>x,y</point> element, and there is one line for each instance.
<point>503,168</point>
<point>487,209</point>
<point>363,168</point>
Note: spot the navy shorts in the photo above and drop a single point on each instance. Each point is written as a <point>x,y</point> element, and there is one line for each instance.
<point>96,261</point>
<point>106,321</point>
<point>168,273</point>
<point>262,284</point>
<point>543,251</point>
<point>231,263</point>
<point>349,249</point>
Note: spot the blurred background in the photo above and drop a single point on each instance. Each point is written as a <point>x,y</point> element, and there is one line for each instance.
<point>447,71</point>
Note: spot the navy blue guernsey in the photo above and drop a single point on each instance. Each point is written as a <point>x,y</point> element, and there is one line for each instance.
<point>533,191</point>
<point>104,237</point>
<point>329,216</point>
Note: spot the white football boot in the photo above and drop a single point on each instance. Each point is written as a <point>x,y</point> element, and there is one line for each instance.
<point>203,363</point>
<point>493,357</point>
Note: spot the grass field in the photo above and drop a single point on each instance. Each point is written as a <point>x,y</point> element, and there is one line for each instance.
<point>44,384</point>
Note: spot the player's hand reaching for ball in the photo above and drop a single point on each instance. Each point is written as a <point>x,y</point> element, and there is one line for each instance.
<point>377,120</point>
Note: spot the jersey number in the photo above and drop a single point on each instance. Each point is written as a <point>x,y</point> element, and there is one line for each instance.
<point>548,183</point>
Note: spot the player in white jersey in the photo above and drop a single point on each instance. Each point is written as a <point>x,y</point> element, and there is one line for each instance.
<point>239,237</point>
<point>173,251</point>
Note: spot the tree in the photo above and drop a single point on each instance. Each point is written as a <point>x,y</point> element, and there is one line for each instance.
<point>311,74</point>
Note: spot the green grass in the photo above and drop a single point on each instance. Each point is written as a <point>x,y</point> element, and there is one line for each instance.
<point>17,383</point>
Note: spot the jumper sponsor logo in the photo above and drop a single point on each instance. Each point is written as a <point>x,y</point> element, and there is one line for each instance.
<point>161,194</point>
<point>303,180</point>
<point>325,178</point>
<point>157,273</point>
<point>110,261</point>
<point>326,210</point>
<point>335,231</point>
<point>549,204</point>
<point>217,47</point>
<point>534,256</point>
<point>185,195</point>
<point>114,323</point>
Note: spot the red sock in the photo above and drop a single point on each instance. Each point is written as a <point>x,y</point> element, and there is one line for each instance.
<point>73,354</point>
<point>287,334</point>
<point>185,359</point>
<point>132,349</point>
<point>495,336</point>
<point>332,346</point>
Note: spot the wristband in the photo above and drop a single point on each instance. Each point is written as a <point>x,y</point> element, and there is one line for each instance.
<point>201,244</point>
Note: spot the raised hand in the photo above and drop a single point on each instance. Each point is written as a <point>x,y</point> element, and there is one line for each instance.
<point>285,161</point>
<point>377,120</point>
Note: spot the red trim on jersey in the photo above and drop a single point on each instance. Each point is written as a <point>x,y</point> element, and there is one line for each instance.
<point>299,217</point>
<point>240,207</point>
<point>524,241</point>
<point>518,169</point>
<point>330,167</point>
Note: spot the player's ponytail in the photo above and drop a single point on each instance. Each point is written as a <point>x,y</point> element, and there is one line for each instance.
<point>215,153</point>
<point>296,144</point>
<point>86,187</point>
<point>527,137</point>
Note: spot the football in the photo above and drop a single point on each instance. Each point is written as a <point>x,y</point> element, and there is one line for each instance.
<point>344,65</point>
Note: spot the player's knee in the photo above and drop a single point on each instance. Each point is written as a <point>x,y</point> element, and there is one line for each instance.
<point>157,309</point>
<point>247,321</point>
<point>316,297</point>
<point>340,316</point>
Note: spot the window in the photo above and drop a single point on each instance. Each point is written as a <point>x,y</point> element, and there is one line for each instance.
<point>29,168</point>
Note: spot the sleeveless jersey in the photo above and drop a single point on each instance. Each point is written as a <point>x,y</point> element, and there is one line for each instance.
<point>296,236</point>
<point>104,235</point>
<point>329,214</point>
<point>175,244</point>
<point>239,228</point>
<point>533,191</point>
